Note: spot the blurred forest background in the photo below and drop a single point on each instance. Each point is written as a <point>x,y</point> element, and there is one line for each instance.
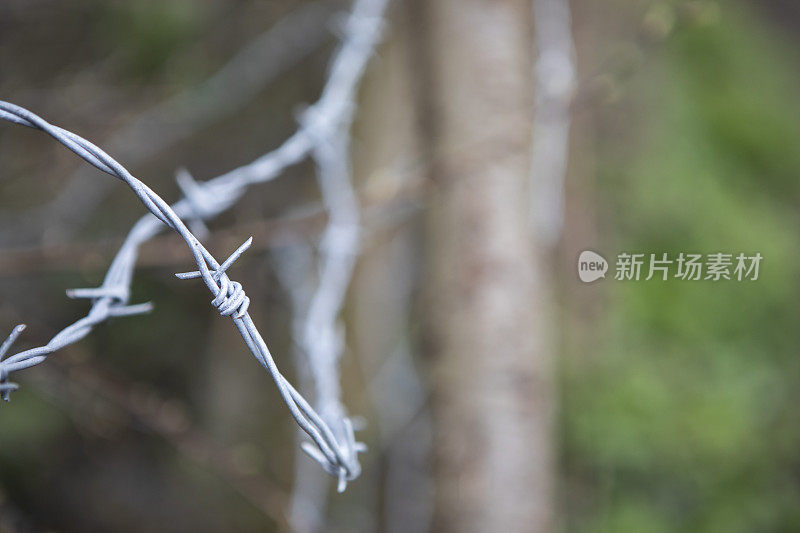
<point>674,403</point>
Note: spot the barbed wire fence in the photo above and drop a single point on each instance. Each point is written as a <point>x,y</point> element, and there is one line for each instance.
<point>331,430</point>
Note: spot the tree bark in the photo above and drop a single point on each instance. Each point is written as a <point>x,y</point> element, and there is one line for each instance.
<point>492,390</point>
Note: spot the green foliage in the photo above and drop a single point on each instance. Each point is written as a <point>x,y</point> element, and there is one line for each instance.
<point>148,32</point>
<point>684,418</point>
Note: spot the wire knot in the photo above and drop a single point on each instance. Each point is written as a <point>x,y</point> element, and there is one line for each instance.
<point>230,298</point>
<point>322,124</point>
<point>344,464</point>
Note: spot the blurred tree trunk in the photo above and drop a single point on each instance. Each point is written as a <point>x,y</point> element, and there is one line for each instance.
<point>492,393</point>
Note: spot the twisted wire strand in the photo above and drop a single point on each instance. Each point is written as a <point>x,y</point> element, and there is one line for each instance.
<point>228,297</point>
<point>322,337</point>
<point>317,333</point>
<point>205,200</point>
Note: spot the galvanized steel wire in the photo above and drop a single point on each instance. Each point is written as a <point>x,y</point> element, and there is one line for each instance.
<point>332,436</point>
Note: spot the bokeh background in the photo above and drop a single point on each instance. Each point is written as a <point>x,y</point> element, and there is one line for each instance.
<point>676,402</point>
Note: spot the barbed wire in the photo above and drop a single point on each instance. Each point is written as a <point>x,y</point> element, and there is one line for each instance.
<point>323,338</point>
<point>318,335</point>
<point>229,299</point>
<point>336,449</point>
